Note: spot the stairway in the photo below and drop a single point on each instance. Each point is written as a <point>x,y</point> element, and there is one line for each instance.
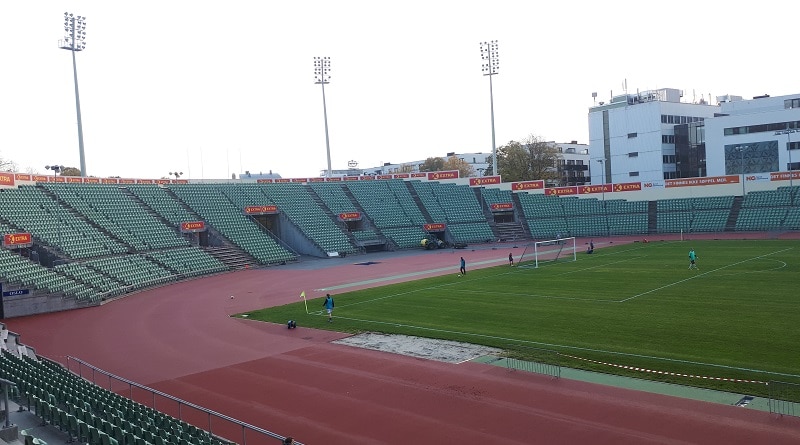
<point>730,225</point>
<point>652,217</point>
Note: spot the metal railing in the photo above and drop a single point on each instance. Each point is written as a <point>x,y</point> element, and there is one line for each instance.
<point>225,426</point>
<point>782,398</point>
<point>539,361</point>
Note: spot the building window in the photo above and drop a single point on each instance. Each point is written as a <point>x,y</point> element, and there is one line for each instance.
<point>794,145</point>
<point>633,174</point>
<point>633,154</point>
<point>667,139</point>
<point>791,103</point>
<point>669,159</point>
<point>761,128</point>
<point>632,135</point>
<point>664,118</point>
<point>670,175</point>
<point>793,166</point>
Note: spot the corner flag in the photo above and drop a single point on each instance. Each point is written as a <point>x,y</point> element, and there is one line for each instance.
<point>303,296</point>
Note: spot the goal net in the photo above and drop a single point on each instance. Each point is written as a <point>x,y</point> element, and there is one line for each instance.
<point>559,249</point>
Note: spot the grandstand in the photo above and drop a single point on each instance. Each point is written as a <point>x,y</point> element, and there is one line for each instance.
<point>93,242</point>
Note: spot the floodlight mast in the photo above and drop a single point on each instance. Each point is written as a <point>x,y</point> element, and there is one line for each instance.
<point>75,40</point>
<point>490,67</point>
<point>322,70</point>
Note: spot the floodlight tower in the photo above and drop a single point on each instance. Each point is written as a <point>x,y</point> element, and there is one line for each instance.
<point>491,66</point>
<point>322,70</point>
<point>75,40</point>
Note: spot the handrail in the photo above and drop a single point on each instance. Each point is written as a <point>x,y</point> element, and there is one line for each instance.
<point>244,425</point>
<point>6,384</point>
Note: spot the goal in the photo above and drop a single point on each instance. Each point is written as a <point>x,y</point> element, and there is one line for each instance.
<point>559,249</point>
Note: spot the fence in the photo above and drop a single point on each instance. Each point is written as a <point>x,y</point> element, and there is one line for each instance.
<point>782,398</point>
<point>218,424</point>
<point>540,361</point>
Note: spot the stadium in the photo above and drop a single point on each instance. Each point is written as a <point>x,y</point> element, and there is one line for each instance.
<point>154,311</point>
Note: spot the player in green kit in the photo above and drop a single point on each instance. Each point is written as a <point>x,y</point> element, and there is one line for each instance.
<point>692,260</point>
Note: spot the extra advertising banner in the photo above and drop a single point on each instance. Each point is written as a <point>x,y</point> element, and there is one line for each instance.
<point>261,210</point>
<point>784,176</point>
<point>7,179</point>
<point>180,181</point>
<point>162,181</point>
<point>351,178</point>
<point>484,180</point>
<point>502,206</point>
<point>600,188</point>
<point>22,177</point>
<point>434,227</point>
<point>193,226</point>
<point>281,180</point>
<point>435,176</point>
<point>401,176</point>
<point>419,175</point>
<point>711,180</point>
<point>628,187</point>
<point>527,185</point>
<point>17,240</point>
<point>383,177</point>
<point>334,179</point>
<point>77,180</point>
<point>127,181</point>
<point>110,181</point>
<point>318,179</point>
<point>561,191</point>
<point>39,178</point>
<point>350,216</point>
<point>145,181</point>
<point>299,179</point>
<point>264,181</point>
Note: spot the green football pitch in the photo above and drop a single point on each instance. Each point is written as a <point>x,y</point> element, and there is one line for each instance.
<point>630,306</point>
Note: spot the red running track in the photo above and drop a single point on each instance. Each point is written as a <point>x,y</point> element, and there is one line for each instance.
<point>180,339</point>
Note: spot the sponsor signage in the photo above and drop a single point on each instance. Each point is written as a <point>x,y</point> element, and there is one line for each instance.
<point>527,185</point>
<point>711,180</point>
<point>350,216</point>
<point>334,179</point>
<point>383,177</point>
<point>484,180</point>
<point>17,292</point>
<point>56,179</point>
<point>351,178</point>
<point>144,181</point>
<point>180,181</point>
<point>589,189</point>
<point>281,180</point>
<point>299,179</point>
<point>784,176</point>
<point>401,176</point>
<point>757,178</point>
<point>90,180</point>
<point>6,178</point>
<point>162,181</point>
<point>39,178</point>
<point>316,179</point>
<point>110,181</point>
<point>264,181</point>
<point>367,178</point>
<point>502,206</point>
<point>17,240</point>
<point>419,175</point>
<point>561,191</point>
<point>434,227</point>
<point>22,177</point>
<point>653,185</point>
<point>193,226</point>
<point>75,179</point>
<point>435,176</point>
<point>627,186</point>
<point>127,181</point>
<point>261,210</point>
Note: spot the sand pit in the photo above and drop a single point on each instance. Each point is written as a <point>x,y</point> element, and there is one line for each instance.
<point>426,348</point>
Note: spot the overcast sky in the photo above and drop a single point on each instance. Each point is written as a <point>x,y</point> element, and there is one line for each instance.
<point>214,88</point>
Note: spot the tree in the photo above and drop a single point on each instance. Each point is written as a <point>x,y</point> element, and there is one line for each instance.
<point>7,165</point>
<point>465,170</point>
<point>531,159</point>
<point>432,165</point>
<point>70,171</point>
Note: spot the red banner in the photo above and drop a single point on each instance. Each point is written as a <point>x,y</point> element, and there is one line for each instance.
<point>527,185</point>
<point>628,187</point>
<point>500,206</point>
<point>144,181</point>
<point>299,179</point>
<point>110,181</point>
<point>367,178</point>
<point>6,178</point>
<point>561,191</point>
<point>350,216</point>
<point>434,227</point>
<point>418,175</point>
<point>401,176</point>
<point>383,177</point>
<point>711,180</point>
<point>316,179</point>
<point>484,180</point>
<point>435,176</point>
<point>162,181</point>
<point>600,188</point>
<point>17,240</point>
<point>180,181</point>
<point>261,210</point>
<point>56,179</point>
<point>193,226</point>
<point>264,181</point>
<point>351,178</point>
<point>281,180</point>
<point>74,179</point>
<point>40,178</point>
<point>777,176</point>
<point>22,177</point>
<point>127,181</point>
<point>334,179</point>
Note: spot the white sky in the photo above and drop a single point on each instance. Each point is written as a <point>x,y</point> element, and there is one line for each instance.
<point>213,88</point>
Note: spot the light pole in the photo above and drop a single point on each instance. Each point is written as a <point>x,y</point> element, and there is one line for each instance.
<point>176,174</point>
<point>490,67</point>
<point>603,186</point>
<point>788,134</point>
<point>322,70</point>
<point>75,40</point>
<point>480,171</point>
<point>740,149</point>
<point>55,169</point>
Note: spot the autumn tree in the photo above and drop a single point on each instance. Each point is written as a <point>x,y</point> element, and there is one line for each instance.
<point>531,159</point>
<point>432,165</point>
<point>70,171</point>
<point>405,168</point>
<point>7,165</point>
<point>465,170</point>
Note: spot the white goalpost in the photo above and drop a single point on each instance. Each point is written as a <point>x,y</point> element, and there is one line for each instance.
<point>549,250</point>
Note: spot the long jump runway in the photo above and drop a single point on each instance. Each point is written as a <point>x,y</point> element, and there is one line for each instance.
<point>180,339</point>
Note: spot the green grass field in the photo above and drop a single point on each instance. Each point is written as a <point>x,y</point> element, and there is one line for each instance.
<point>630,305</point>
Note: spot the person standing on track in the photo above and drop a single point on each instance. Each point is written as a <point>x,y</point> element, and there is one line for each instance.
<point>328,304</point>
<point>463,268</point>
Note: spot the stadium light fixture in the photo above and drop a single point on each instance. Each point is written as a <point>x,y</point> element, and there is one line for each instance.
<point>322,76</point>
<point>75,40</point>
<point>176,174</point>
<point>740,150</point>
<point>55,168</point>
<point>788,134</point>
<point>490,67</point>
